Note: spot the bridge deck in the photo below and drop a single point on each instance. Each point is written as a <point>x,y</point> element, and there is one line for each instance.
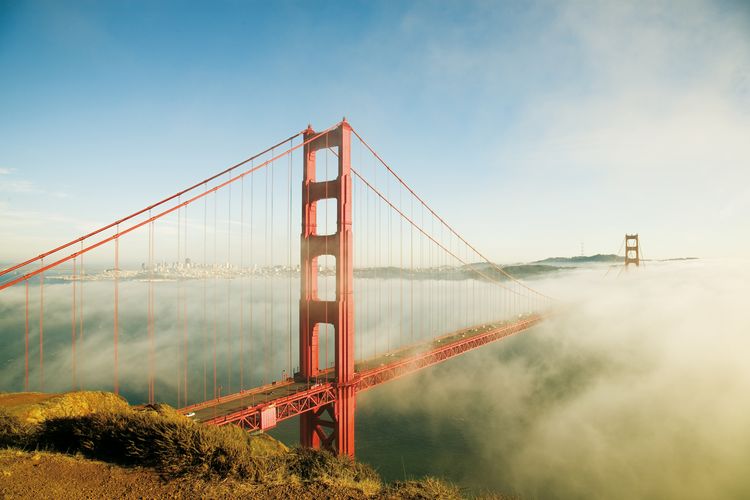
<point>291,398</point>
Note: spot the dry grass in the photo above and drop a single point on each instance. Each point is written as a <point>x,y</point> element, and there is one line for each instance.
<point>321,466</point>
<point>34,408</point>
<point>169,443</point>
<point>101,426</point>
<point>423,489</point>
<point>496,496</point>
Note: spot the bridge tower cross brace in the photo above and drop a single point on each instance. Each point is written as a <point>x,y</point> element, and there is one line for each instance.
<point>332,425</point>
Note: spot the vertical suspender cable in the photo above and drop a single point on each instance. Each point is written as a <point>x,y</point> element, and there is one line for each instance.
<point>80,290</point>
<point>41,329</point>
<point>413,277</point>
<point>205,286</point>
<point>390,266</point>
<point>150,311</point>
<point>372,263</point>
<point>422,265</point>
<point>179,304</point>
<point>432,282</point>
<point>215,298</point>
<point>475,300</point>
<point>326,278</point>
<point>116,318</point>
<point>289,261</point>
<point>441,284</point>
<point>26,343</point>
<point>229,291</point>
<point>184,313</point>
<point>242,284</point>
<point>266,277</point>
<point>367,277</point>
<point>378,264</point>
<point>73,328</point>
<point>401,271</point>
<point>467,292</point>
<point>271,301</point>
<point>80,301</point>
<point>358,198</point>
<point>252,276</point>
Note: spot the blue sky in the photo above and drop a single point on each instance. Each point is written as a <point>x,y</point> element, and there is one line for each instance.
<point>532,126</point>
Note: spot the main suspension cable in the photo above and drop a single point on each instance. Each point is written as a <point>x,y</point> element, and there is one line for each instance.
<point>501,270</point>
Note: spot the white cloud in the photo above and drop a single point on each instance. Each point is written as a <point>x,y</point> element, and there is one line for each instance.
<point>19,187</point>
<point>639,390</point>
<point>23,186</point>
<point>662,96</point>
<point>606,115</point>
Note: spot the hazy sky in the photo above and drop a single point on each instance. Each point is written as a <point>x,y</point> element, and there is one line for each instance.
<point>532,126</point>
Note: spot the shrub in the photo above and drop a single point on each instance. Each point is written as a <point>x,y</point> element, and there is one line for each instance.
<point>12,431</point>
<point>424,489</point>
<point>173,445</point>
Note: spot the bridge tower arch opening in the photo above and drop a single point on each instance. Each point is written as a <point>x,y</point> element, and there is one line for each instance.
<point>331,425</point>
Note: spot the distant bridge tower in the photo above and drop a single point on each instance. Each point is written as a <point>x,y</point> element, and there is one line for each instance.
<point>632,250</point>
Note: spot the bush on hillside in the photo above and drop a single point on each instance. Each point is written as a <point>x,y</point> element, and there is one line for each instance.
<point>157,436</point>
<point>176,446</point>
<point>12,431</point>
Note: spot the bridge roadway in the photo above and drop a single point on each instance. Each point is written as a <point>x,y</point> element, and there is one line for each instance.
<point>263,407</point>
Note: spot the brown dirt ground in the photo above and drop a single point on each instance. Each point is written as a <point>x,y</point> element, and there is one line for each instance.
<point>43,475</point>
<point>24,398</point>
<point>51,475</point>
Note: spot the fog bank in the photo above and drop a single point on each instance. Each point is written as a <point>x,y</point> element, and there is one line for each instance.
<point>639,390</point>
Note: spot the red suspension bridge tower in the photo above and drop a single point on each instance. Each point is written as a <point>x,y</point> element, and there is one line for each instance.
<point>632,250</point>
<point>330,425</point>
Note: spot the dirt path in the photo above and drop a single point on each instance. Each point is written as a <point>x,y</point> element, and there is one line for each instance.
<point>52,475</point>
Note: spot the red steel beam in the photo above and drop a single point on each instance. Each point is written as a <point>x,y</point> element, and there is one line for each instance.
<point>286,407</point>
<point>385,373</point>
<point>235,396</point>
<point>321,394</point>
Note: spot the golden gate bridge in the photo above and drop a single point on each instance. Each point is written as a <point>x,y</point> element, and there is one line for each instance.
<point>211,300</point>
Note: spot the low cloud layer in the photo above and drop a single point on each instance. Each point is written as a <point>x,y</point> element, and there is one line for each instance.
<point>638,391</point>
<point>388,314</point>
<point>638,388</point>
